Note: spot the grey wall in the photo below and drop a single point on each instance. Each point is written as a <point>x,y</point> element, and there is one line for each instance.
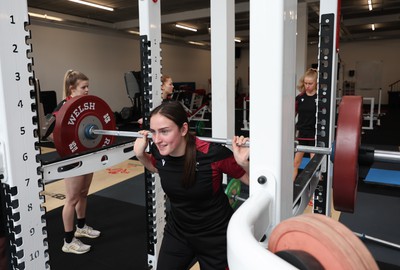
<point>385,51</point>
<point>104,57</point>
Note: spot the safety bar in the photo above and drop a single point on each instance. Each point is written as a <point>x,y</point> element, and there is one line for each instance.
<point>245,251</point>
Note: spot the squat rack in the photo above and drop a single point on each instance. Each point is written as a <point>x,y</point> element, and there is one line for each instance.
<point>270,194</point>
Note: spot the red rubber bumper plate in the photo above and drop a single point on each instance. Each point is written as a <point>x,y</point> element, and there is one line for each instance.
<point>74,119</point>
<point>315,234</point>
<point>347,144</point>
<point>358,247</point>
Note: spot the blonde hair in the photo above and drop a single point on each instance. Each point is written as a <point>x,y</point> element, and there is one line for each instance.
<point>312,73</point>
<point>164,79</point>
<point>71,78</point>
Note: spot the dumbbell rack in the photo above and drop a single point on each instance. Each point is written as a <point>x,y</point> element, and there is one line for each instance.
<point>19,167</point>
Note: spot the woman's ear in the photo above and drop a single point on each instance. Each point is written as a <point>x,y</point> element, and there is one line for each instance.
<point>184,129</point>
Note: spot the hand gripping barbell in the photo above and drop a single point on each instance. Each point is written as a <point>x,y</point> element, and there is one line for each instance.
<point>87,122</point>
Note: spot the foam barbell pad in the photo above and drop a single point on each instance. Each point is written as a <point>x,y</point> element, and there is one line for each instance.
<point>72,123</point>
<point>316,238</point>
<point>347,144</point>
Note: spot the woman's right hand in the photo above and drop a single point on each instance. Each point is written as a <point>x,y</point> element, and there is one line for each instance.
<point>141,143</point>
<point>240,151</point>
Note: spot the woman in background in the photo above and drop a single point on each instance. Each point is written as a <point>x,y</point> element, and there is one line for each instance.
<point>76,188</point>
<point>306,109</point>
<point>167,89</point>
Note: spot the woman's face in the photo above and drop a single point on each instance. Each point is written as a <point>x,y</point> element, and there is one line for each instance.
<point>310,84</point>
<point>82,88</point>
<point>168,137</point>
<point>168,86</point>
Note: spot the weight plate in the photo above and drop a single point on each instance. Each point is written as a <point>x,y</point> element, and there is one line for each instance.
<point>72,120</point>
<point>347,144</point>
<point>359,249</point>
<point>200,128</point>
<point>233,188</point>
<point>315,237</point>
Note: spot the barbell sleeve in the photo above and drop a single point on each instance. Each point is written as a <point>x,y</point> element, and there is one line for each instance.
<point>94,131</point>
<point>387,243</point>
<point>237,198</point>
<point>313,149</point>
<point>387,156</point>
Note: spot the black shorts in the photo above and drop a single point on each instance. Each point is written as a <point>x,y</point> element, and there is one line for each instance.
<point>306,137</point>
<point>178,251</point>
<point>306,142</point>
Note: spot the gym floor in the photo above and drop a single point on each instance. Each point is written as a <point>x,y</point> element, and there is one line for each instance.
<point>117,207</point>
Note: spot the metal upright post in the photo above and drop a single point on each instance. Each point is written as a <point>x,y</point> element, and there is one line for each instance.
<point>326,108</point>
<point>272,80</point>
<point>150,36</point>
<point>223,67</point>
<point>19,167</point>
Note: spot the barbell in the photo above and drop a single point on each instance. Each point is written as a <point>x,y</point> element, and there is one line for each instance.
<point>92,131</point>
<point>86,122</point>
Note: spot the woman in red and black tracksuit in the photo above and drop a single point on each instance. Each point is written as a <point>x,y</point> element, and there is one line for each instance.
<point>306,108</point>
<point>191,175</point>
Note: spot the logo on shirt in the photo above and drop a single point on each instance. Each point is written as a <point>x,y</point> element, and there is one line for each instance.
<point>163,162</point>
<point>302,99</point>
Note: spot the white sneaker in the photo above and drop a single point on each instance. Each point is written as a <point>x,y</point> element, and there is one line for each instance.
<point>76,247</point>
<point>86,231</point>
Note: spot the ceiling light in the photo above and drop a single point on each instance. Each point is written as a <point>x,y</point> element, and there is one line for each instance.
<point>238,40</point>
<point>45,16</point>
<point>186,27</point>
<point>370,4</point>
<point>134,32</point>
<point>196,43</point>
<point>373,27</point>
<point>92,5</point>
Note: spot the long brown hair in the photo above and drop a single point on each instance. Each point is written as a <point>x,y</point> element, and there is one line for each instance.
<point>174,111</point>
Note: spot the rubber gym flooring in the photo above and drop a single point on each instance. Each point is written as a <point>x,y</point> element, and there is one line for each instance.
<point>116,207</point>
<point>122,223</point>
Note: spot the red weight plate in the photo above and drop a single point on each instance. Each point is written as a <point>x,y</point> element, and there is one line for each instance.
<point>73,120</point>
<point>347,144</point>
<point>359,249</point>
<point>317,239</point>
